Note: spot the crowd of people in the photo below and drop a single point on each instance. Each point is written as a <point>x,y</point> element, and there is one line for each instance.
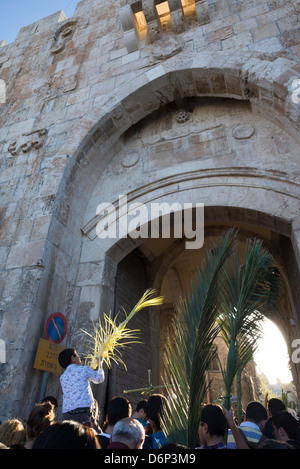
<point>79,428</point>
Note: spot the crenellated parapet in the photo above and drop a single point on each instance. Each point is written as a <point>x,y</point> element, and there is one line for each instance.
<point>146,20</point>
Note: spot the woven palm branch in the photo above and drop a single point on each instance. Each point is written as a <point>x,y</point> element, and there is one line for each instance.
<point>189,347</point>
<point>252,292</point>
<point>109,338</point>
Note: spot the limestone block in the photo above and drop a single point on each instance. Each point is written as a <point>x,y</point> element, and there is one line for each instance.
<point>177,20</point>
<point>90,273</point>
<point>40,26</point>
<point>290,38</point>
<point>275,14</point>
<point>202,12</point>
<point>132,57</point>
<point>89,302</point>
<point>40,228</point>
<point>129,28</point>
<point>64,64</point>
<point>241,40</point>
<point>29,254</point>
<point>266,31</point>
<point>20,128</point>
<point>95,251</point>
<point>78,110</point>
<point>167,47</point>
<point>8,188</point>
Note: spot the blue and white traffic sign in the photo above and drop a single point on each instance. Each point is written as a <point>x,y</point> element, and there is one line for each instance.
<point>56,328</point>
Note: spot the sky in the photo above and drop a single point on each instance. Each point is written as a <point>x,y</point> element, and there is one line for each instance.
<point>14,14</point>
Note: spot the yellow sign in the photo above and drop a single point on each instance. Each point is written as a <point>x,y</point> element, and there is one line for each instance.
<point>47,357</point>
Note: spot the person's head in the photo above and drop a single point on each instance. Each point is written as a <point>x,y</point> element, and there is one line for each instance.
<point>256,413</point>
<point>285,426</point>
<point>274,444</point>
<point>141,409</point>
<point>67,434</point>
<point>12,432</point>
<point>118,408</point>
<point>130,432</point>
<point>233,401</point>
<point>169,446</point>
<point>213,424</point>
<point>155,409</point>
<point>51,399</point>
<point>275,405</point>
<point>68,357</point>
<point>40,418</point>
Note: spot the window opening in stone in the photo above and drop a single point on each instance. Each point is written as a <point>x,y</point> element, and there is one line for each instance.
<point>141,25</point>
<point>164,15</point>
<point>188,8</point>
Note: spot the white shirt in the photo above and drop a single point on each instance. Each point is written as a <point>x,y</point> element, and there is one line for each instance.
<point>76,387</point>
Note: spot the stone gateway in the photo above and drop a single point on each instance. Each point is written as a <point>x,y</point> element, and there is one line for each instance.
<point>177,101</point>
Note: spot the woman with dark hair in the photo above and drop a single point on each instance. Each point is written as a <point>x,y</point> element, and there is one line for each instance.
<point>155,409</point>
<point>40,418</point>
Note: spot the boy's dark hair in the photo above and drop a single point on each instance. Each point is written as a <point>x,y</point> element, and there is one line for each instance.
<point>275,405</point>
<point>256,412</point>
<point>142,405</point>
<point>288,422</point>
<point>64,358</point>
<point>51,399</point>
<point>118,408</point>
<point>213,416</point>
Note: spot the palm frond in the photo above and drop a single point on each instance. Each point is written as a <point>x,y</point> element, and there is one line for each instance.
<point>109,338</point>
<point>189,348</point>
<point>252,292</point>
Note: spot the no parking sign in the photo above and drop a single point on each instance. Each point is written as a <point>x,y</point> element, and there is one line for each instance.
<point>56,328</point>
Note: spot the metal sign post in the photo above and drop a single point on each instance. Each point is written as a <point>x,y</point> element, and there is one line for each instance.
<point>48,350</point>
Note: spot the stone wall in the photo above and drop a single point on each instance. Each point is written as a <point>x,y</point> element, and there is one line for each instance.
<point>73,88</point>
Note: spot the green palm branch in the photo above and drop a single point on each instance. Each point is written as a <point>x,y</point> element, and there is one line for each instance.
<point>252,293</point>
<point>189,349</point>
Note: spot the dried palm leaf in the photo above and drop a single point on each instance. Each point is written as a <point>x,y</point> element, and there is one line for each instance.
<point>109,338</point>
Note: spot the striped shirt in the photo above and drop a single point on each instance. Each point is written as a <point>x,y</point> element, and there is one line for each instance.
<point>251,431</point>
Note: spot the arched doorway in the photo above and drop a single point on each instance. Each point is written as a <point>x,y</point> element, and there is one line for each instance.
<point>168,267</point>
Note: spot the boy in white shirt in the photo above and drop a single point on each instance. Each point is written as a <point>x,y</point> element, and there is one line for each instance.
<point>78,400</point>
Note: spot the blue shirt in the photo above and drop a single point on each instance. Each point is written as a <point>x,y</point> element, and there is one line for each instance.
<point>158,440</point>
<point>155,441</point>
